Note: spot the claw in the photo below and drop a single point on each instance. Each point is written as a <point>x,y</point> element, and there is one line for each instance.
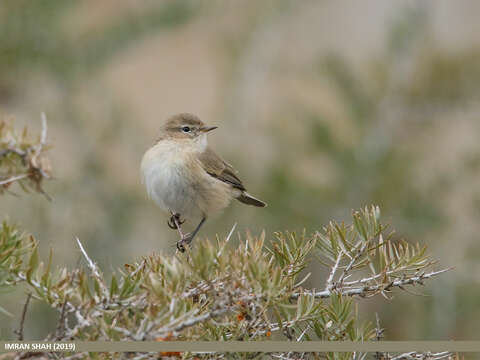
<point>180,246</point>
<point>186,239</point>
<point>174,219</point>
<point>171,224</point>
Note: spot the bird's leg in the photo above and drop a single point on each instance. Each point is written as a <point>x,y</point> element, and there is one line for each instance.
<point>174,221</point>
<point>187,238</point>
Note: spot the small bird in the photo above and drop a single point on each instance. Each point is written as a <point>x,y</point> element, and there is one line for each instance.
<point>185,177</point>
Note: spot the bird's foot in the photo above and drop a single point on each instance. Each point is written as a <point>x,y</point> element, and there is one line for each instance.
<point>174,221</point>
<point>185,240</point>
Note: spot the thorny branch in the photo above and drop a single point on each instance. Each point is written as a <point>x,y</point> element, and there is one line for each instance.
<point>215,285</point>
<point>32,164</point>
<point>329,284</point>
<point>13,179</point>
<point>248,292</point>
<point>421,356</point>
<point>352,262</point>
<point>195,320</point>
<point>384,356</point>
<point>227,240</point>
<point>364,291</point>
<point>62,324</point>
<point>93,267</point>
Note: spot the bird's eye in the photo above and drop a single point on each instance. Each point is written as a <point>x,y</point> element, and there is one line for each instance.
<point>186,129</point>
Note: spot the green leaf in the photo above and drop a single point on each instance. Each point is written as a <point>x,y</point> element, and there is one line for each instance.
<point>113,286</point>
<point>32,264</point>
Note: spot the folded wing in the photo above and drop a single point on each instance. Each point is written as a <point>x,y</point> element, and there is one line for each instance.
<point>215,166</point>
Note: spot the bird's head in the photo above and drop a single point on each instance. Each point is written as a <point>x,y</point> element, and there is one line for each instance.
<point>185,126</point>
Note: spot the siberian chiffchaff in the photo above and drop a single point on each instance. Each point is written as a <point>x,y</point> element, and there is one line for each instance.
<point>185,177</point>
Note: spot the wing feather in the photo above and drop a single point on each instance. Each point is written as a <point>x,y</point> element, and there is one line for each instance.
<point>215,166</point>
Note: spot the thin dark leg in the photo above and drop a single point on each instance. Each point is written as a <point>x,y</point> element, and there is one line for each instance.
<point>187,238</point>
<point>192,235</point>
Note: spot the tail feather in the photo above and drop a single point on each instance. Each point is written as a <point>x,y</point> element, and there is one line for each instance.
<point>248,199</point>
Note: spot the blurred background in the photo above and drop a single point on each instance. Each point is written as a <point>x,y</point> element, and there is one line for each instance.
<point>322,106</point>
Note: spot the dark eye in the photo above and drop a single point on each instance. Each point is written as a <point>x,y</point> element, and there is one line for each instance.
<point>186,129</point>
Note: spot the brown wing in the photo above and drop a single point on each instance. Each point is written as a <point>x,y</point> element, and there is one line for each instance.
<point>215,166</point>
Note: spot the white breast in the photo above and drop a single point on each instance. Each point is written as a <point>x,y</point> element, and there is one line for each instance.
<point>167,179</point>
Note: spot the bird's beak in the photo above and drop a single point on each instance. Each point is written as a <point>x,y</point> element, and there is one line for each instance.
<point>206,129</point>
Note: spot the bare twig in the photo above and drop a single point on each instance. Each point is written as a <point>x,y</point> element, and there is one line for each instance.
<point>76,356</point>
<point>177,324</point>
<point>205,286</point>
<point>271,327</point>
<point>227,240</point>
<point>422,356</point>
<point>13,178</point>
<point>329,284</point>
<point>34,167</point>
<point>195,320</point>
<point>62,324</point>
<point>125,332</point>
<point>351,263</point>
<point>220,309</point>
<point>303,333</point>
<point>138,269</point>
<point>94,269</point>
<point>145,356</point>
<point>19,152</point>
<point>371,278</point>
<point>22,277</point>
<point>372,289</point>
<point>91,264</point>
<point>22,320</point>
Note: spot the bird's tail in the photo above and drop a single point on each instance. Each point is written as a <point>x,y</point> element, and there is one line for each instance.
<point>248,199</point>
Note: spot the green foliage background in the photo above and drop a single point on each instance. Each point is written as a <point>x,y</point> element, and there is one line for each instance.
<point>323,107</point>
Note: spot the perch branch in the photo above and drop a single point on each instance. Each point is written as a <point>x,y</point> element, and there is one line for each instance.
<point>372,289</point>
